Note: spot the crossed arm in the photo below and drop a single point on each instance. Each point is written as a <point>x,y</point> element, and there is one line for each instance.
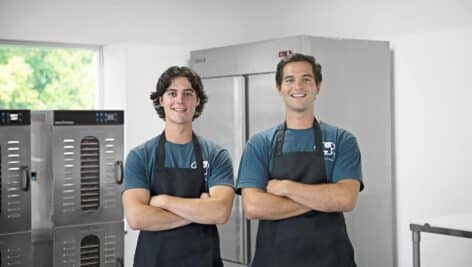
<point>163,212</point>
<point>286,198</point>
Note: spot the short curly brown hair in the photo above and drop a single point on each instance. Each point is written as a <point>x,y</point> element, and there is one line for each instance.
<point>165,80</point>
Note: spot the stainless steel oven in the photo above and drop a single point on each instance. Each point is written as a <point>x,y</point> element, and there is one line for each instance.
<point>77,171</point>
<point>78,167</point>
<point>15,193</point>
<point>89,245</point>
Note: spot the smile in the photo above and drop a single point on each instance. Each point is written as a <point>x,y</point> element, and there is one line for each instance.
<point>179,109</point>
<point>297,95</point>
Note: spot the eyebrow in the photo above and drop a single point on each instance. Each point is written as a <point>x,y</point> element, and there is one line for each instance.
<point>304,76</point>
<point>185,90</point>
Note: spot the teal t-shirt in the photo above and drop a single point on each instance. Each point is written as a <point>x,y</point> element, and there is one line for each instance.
<point>341,153</point>
<point>141,166</point>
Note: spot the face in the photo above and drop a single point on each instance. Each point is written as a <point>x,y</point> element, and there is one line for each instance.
<point>298,87</point>
<point>179,101</point>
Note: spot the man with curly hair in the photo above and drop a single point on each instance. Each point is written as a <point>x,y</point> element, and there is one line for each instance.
<point>178,185</point>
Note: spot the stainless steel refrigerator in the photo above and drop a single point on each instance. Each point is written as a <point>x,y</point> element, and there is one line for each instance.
<point>77,164</point>
<point>15,193</point>
<point>355,95</point>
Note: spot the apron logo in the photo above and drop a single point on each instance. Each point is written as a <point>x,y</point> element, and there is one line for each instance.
<point>329,150</point>
<point>206,166</point>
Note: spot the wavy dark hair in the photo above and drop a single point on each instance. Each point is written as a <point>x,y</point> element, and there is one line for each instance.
<point>165,80</point>
<point>297,57</point>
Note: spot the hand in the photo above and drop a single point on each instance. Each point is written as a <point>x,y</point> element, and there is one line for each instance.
<point>277,187</point>
<point>159,201</point>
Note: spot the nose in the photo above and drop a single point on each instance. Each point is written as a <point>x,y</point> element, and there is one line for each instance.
<point>298,83</point>
<point>180,97</point>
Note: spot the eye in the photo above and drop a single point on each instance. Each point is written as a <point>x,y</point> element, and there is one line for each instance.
<point>189,93</point>
<point>289,80</point>
<point>172,94</point>
<point>307,79</point>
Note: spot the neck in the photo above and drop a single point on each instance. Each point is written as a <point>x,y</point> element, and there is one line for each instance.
<point>178,134</point>
<point>299,120</point>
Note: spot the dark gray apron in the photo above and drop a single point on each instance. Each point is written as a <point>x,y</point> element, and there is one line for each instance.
<point>193,245</point>
<point>312,239</point>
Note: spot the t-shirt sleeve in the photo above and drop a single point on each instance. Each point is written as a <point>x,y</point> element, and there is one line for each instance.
<point>222,170</point>
<point>348,161</point>
<point>254,165</point>
<point>135,172</point>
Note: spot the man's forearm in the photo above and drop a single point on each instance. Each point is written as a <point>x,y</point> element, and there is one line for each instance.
<point>338,197</point>
<point>265,206</point>
<point>141,216</point>
<point>199,210</point>
<point>150,218</point>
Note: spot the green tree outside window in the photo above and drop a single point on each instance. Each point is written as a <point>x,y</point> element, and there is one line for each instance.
<point>47,78</point>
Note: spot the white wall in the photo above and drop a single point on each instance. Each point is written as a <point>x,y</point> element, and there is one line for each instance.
<point>432,107</point>
<point>163,22</point>
<point>430,40</point>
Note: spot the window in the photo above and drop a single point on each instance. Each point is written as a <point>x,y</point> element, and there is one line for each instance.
<point>49,76</point>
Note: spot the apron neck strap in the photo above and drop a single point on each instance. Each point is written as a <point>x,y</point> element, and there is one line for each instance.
<point>161,152</point>
<point>280,136</point>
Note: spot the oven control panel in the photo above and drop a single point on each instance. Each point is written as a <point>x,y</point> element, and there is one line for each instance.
<point>14,117</point>
<point>88,117</point>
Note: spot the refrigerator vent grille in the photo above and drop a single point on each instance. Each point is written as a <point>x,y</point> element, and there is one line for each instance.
<point>89,173</point>
<point>13,185</point>
<point>90,251</point>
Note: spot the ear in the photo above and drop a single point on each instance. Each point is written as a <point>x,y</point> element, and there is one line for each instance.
<point>161,100</point>
<point>198,101</point>
<point>318,88</point>
<point>278,89</point>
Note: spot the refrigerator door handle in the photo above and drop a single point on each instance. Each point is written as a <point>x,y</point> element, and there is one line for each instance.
<point>25,178</point>
<point>239,123</point>
<point>119,172</point>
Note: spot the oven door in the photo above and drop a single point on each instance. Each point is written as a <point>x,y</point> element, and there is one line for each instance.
<point>89,245</point>
<point>87,174</point>
<point>15,193</point>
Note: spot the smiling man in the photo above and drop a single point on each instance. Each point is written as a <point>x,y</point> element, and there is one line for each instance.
<point>178,186</point>
<point>299,177</point>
